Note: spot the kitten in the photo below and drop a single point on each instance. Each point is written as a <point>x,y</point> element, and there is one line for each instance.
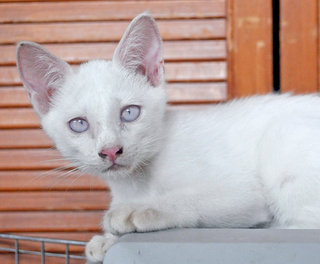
<point>247,163</point>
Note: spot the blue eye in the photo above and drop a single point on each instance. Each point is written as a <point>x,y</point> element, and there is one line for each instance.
<point>78,125</point>
<point>130,113</point>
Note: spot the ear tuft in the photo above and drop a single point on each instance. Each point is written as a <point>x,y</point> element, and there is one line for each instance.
<point>41,73</point>
<point>140,49</point>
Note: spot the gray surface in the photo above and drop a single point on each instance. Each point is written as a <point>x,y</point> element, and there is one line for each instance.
<point>225,246</point>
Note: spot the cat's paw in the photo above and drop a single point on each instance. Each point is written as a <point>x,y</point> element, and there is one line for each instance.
<point>97,247</point>
<point>118,220</point>
<point>126,219</point>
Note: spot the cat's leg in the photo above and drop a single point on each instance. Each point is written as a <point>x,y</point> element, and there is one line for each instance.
<point>97,247</point>
<point>144,217</point>
<point>189,208</point>
<point>296,203</point>
<point>291,177</point>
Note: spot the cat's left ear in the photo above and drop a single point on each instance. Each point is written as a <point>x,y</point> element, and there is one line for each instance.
<point>140,49</point>
<point>41,72</point>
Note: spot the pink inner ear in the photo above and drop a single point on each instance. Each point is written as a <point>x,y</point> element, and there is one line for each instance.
<point>153,62</point>
<point>41,96</point>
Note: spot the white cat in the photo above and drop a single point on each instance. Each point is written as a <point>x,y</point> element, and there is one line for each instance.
<point>247,163</point>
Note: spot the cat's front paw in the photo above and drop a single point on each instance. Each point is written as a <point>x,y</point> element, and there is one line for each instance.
<point>118,220</point>
<point>97,247</point>
<point>126,219</point>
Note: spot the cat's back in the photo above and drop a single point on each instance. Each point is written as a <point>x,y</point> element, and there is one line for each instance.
<point>229,133</point>
<point>245,111</point>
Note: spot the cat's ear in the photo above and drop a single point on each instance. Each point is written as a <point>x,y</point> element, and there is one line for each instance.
<point>41,72</point>
<point>140,49</point>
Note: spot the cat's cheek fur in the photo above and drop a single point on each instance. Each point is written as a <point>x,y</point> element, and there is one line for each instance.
<point>71,145</point>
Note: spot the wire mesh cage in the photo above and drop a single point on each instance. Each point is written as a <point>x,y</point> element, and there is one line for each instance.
<point>19,246</point>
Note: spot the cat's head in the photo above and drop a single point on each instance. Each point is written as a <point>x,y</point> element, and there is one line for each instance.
<point>104,116</point>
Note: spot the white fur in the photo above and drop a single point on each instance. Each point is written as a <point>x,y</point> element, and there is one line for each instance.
<point>246,163</point>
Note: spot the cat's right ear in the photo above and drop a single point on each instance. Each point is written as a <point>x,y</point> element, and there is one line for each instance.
<point>140,49</point>
<point>41,73</point>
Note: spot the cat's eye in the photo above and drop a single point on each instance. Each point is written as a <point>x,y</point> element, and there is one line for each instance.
<point>78,125</point>
<point>130,113</point>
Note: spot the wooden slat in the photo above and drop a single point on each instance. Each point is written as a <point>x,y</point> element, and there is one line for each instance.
<point>100,11</point>
<point>18,118</point>
<point>48,181</point>
<point>249,47</point>
<point>107,31</point>
<point>183,71</point>
<point>299,46</point>
<point>24,138</point>
<point>196,71</point>
<point>13,96</point>
<point>80,52</point>
<point>9,76</point>
<point>197,92</point>
<point>54,201</point>
<point>30,159</point>
<point>50,221</point>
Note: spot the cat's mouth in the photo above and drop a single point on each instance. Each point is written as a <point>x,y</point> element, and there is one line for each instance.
<point>115,167</point>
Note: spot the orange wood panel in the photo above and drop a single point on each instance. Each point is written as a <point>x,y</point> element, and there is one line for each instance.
<point>31,159</point>
<point>50,221</point>
<point>249,47</point>
<point>100,11</point>
<point>80,52</point>
<point>107,31</point>
<point>54,201</point>
<point>299,46</point>
<point>182,71</point>
<point>24,138</point>
<point>196,71</point>
<point>9,76</point>
<point>197,92</point>
<point>13,96</point>
<point>18,118</point>
<point>44,180</point>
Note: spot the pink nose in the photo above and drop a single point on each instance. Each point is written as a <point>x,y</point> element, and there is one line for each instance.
<point>112,153</point>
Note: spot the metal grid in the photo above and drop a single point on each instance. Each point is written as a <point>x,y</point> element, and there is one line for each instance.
<point>17,251</point>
